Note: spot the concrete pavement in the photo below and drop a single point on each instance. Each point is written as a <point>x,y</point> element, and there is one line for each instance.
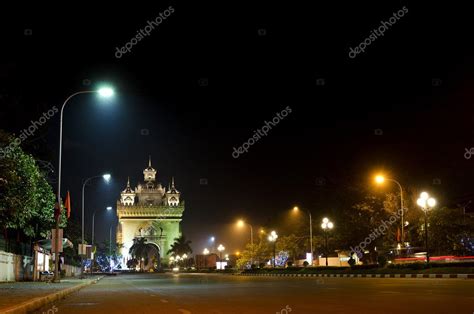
<point>211,293</point>
<point>21,297</point>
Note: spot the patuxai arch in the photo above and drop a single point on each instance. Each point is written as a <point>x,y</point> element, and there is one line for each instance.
<point>152,212</point>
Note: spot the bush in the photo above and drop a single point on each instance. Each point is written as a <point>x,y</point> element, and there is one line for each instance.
<point>305,264</point>
<point>253,266</point>
<point>261,265</point>
<point>382,260</point>
<point>289,264</point>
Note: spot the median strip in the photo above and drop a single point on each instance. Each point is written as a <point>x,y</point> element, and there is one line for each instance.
<point>446,276</point>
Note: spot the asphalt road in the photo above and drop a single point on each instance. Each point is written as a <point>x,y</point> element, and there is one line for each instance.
<point>210,293</point>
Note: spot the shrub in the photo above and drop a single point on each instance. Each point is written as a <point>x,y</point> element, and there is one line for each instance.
<point>305,264</point>
<point>289,264</point>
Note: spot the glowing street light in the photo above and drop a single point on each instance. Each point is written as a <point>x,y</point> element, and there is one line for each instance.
<point>106,178</point>
<point>106,92</point>
<point>241,223</point>
<point>380,179</point>
<point>220,248</point>
<point>326,226</point>
<point>426,203</point>
<point>296,209</point>
<point>205,252</point>
<point>102,93</point>
<point>272,238</point>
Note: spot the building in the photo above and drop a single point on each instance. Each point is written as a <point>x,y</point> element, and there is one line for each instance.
<point>152,212</point>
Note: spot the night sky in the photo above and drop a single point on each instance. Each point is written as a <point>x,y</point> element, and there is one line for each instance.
<point>210,75</point>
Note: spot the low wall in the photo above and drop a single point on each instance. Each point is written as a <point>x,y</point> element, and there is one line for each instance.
<point>6,267</point>
<point>15,267</point>
<point>20,268</point>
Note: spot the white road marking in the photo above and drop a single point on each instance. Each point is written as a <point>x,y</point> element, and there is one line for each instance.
<point>184,311</point>
<point>164,301</point>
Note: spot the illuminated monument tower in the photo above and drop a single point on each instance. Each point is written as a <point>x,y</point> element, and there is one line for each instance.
<point>152,212</point>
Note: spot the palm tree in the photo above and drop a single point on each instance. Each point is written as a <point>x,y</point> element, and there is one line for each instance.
<point>180,246</point>
<point>139,250</point>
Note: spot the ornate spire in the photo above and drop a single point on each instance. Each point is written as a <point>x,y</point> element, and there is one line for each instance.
<point>128,182</point>
<point>172,182</point>
<point>149,161</point>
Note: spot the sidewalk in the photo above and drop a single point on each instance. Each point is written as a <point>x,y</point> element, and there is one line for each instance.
<point>16,296</point>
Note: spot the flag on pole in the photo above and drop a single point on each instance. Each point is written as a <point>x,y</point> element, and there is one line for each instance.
<point>67,204</point>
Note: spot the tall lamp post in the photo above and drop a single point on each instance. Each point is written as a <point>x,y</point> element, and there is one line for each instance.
<point>326,225</point>
<point>109,208</point>
<point>205,252</point>
<point>241,224</point>
<point>212,239</point>
<point>295,209</point>
<point>380,180</point>
<point>426,203</point>
<point>106,177</point>
<point>220,248</point>
<point>272,238</point>
<point>103,92</point>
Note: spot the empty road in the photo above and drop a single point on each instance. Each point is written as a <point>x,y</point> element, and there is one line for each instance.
<point>211,293</point>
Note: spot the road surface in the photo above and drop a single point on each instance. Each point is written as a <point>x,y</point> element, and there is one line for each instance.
<point>212,294</point>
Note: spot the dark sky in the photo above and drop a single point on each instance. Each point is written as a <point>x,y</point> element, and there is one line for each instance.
<point>211,74</point>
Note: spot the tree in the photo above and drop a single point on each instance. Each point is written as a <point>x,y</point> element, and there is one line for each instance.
<point>139,250</point>
<point>450,231</point>
<point>292,244</point>
<point>258,252</point>
<point>180,246</point>
<point>26,199</point>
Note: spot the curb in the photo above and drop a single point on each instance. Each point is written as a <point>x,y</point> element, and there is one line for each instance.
<point>39,302</point>
<point>454,276</point>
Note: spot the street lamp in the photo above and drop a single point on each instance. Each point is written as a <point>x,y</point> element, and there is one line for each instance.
<point>296,209</point>
<point>326,225</point>
<point>103,93</point>
<point>106,178</point>
<point>108,208</point>
<point>241,224</point>
<point>272,238</point>
<point>426,203</point>
<point>380,180</point>
<point>205,252</point>
<point>220,248</point>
